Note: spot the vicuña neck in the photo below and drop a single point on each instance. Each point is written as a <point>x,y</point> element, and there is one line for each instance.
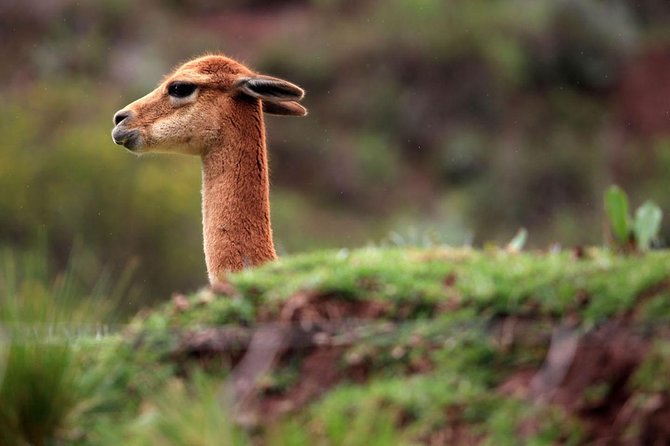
<point>236,199</point>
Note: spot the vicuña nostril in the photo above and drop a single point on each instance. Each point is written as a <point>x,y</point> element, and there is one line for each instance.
<point>120,115</point>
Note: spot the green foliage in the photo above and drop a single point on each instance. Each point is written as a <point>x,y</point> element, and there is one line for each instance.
<point>518,241</point>
<point>44,321</point>
<point>186,414</point>
<point>366,422</point>
<point>38,392</point>
<point>551,426</point>
<point>647,224</point>
<point>58,304</point>
<point>122,378</point>
<point>638,232</point>
<point>616,205</point>
<point>655,311</point>
<point>412,279</point>
<point>467,360</point>
<point>407,115</point>
<point>433,360</point>
<point>653,376</point>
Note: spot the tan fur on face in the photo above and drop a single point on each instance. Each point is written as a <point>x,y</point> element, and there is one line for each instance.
<point>186,126</point>
<point>222,121</point>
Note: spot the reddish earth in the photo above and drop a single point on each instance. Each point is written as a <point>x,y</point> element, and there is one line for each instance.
<point>603,359</point>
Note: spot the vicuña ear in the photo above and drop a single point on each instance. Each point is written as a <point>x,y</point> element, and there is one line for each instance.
<point>286,108</point>
<point>269,89</point>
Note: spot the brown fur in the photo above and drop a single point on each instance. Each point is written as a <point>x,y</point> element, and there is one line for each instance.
<point>222,122</point>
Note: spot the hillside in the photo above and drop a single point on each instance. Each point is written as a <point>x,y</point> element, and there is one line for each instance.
<point>403,346</point>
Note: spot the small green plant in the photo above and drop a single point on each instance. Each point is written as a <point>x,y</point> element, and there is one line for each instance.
<point>519,241</point>
<point>628,233</point>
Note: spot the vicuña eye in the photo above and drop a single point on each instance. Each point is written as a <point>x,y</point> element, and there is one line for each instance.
<point>181,89</point>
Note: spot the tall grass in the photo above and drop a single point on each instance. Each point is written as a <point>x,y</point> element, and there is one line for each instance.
<point>44,317</point>
<point>193,414</point>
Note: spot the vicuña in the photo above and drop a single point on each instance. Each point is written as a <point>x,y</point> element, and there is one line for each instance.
<point>213,107</point>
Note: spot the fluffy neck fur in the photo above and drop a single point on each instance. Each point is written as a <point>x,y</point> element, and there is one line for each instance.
<point>235,197</point>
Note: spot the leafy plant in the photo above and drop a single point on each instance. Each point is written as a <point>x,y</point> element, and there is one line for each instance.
<point>631,233</point>
<point>647,224</point>
<point>616,206</point>
<point>519,241</point>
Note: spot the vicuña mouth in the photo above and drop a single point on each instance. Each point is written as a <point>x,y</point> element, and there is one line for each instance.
<point>130,139</point>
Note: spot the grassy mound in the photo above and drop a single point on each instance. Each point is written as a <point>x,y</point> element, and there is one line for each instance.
<point>404,346</point>
<point>386,346</point>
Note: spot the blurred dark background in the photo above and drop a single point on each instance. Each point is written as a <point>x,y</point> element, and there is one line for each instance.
<point>464,120</point>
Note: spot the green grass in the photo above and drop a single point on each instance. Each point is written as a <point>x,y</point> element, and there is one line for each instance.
<point>42,321</point>
<point>490,282</point>
<point>450,330</point>
<point>438,364</point>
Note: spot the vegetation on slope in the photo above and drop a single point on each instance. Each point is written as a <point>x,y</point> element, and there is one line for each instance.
<point>393,346</point>
<point>442,345</point>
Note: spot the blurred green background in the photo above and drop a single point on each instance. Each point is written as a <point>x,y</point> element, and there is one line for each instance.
<point>461,119</point>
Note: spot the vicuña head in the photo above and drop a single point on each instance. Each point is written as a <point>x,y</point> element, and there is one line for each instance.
<point>213,107</point>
